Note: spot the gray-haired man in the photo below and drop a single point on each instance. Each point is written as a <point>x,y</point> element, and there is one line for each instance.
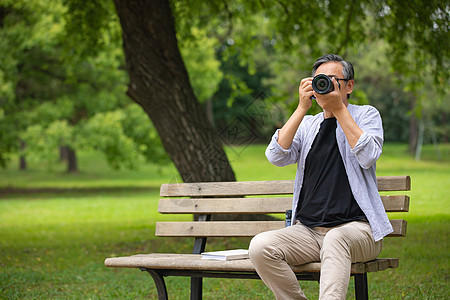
<point>337,214</point>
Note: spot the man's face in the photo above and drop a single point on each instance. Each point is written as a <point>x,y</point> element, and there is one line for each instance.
<point>334,69</point>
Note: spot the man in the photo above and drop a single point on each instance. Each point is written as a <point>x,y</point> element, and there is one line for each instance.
<point>337,214</point>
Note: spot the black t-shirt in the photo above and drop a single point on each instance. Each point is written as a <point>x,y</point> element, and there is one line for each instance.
<point>326,199</point>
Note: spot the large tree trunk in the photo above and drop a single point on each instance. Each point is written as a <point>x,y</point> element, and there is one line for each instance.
<point>160,84</point>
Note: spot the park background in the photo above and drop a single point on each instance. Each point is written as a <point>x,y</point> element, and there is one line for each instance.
<point>82,162</point>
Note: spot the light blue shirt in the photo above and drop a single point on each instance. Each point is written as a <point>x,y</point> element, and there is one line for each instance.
<point>359,162</point>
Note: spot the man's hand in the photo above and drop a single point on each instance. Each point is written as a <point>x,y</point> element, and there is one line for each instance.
<point>287,133</point>
<point>331,102</point>
<point>305,92</point>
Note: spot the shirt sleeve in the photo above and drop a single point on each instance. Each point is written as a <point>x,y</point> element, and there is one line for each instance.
<point>369,146</point>
<point>279,156</point>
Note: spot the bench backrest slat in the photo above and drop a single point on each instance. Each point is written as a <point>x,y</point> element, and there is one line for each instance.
<point>397,203</point>
<point>236,228</point>
<point>393,183</point>
<point>244,188</point>
<point>235,188</point>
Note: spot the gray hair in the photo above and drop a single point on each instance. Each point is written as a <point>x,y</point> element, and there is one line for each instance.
<point>347,67</point>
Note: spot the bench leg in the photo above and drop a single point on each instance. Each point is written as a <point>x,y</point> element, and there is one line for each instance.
<point>196,288</point>
<point>361,289</point>
<point>199,247</point>
<point>160,284</point>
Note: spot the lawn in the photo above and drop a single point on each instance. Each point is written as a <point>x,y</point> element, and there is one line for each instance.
<point>56,229</point>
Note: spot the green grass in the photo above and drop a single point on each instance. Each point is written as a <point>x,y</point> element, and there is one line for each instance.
<point>53,242</point>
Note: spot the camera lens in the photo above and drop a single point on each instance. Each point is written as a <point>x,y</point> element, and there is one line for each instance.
<point>322,84</point>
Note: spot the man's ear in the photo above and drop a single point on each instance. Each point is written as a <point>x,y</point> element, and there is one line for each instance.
<point>350,84</point>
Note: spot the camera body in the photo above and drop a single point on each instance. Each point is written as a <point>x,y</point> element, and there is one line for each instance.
<point>322,84</point>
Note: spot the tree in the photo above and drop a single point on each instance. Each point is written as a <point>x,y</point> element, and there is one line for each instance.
<point>51,97</point>
<point>160,84</point>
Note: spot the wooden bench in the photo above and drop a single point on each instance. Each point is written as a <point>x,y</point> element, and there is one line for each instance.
<point>257,197</point>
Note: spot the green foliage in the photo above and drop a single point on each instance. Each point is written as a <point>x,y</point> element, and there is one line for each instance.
<point>405,46</point>
<point>419,28</point>
<point>90,27</point>
<point>19,23</point>
<point>126,137</point>
<point>399,100</point>
<point>201,63</point>
<point>56,87</point>
<point>330,26</point>
<point>43,142</point>
<point>104,132</point>
<point>137,126</point>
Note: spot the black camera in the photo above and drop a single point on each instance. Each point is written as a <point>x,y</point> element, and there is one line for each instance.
<point>322,84</point>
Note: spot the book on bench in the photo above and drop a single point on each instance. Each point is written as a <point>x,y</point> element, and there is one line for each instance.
<point>226,254</point>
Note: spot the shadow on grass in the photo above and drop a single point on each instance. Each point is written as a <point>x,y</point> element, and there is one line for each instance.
<point>51,192</point>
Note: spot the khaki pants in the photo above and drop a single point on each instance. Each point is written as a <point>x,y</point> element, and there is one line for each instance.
<point>273,252</point>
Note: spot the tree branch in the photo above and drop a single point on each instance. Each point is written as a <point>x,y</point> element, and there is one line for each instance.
<point>286,10</point>
<point>347,28</point>
<point>230,18</point>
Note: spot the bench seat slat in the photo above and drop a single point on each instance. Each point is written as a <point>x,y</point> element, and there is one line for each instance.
<point>195,262</point>
<point>236,228</point>
<point>279,187</point>
<point>397,203</point>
